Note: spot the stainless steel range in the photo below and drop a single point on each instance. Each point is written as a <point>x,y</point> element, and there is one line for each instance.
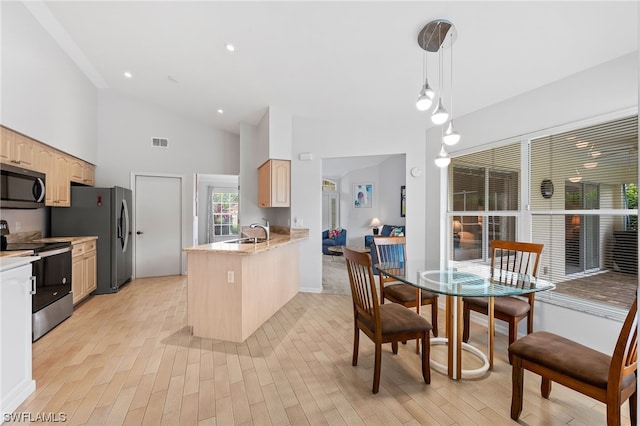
<point>52,301</point>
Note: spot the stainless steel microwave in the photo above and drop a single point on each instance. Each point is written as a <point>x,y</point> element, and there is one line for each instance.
<point>21,188</point>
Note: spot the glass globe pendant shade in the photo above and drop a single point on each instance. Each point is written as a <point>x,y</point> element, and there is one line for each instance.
<point>440,115</point>
<point>425,97</point>
<point>442,160</point>
<point>451,136</point>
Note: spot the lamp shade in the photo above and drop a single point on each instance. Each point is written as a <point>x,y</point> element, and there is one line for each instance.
<point>375,222</point>
<point>457,226</point>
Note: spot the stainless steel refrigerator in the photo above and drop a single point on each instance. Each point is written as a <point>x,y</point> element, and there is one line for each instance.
<point>105,213</point>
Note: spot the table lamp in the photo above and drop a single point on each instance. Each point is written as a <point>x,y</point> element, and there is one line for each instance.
<point>375,222</point>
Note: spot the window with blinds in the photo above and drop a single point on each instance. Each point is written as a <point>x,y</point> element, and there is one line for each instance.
<point>589,222</point>
<point>483,203</point>
<point>582,205</point>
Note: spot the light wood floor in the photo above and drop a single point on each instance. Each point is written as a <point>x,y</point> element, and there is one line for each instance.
<point>128,358</point>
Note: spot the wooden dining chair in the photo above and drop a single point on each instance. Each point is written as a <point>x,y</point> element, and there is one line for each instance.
<point>608,379</point>
<point>394,249</point>
<point>507,257</point>
<point>382,323</point>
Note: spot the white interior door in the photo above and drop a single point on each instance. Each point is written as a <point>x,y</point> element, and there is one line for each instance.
<point>158,225</point>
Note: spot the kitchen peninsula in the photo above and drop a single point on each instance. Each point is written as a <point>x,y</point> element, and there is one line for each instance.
<point>233,288</point>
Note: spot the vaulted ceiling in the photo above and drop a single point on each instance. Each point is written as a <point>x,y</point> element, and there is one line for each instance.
<point>330,60</point>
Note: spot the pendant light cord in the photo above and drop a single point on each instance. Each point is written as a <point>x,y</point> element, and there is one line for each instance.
<point>451,76</point>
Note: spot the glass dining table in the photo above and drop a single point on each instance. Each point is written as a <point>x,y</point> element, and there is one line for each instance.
<point>455,285</point>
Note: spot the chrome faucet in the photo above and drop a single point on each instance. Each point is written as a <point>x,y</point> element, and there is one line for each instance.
<point>265,228</point>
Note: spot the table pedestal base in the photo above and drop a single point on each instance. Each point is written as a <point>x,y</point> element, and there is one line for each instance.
<point>466,374</point>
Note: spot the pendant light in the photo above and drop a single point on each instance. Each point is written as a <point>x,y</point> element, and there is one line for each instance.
<point>430,42</point>
<point>440,115</point>
<point>442,160</point>
<point>451,136</point>
<point>425,97</point>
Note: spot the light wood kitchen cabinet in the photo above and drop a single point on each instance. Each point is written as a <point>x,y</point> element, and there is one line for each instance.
<point>16,149</point>
<point>82,172</point>
<point>60,168</point>
<point>83,270</point>
<point>274,184</point>
<point>58,182</point>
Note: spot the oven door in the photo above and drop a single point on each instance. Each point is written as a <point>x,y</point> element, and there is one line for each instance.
<point>53,276</point>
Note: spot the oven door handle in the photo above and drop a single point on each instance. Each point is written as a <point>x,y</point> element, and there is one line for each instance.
<point>48,253</point>
<point>33,284</point>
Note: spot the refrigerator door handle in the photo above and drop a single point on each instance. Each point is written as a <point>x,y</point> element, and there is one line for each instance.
<point>125,232</point>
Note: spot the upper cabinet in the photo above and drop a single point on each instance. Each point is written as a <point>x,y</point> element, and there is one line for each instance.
<point>274,184</point>
<point>16,149</point>
<point>82,172</point>
<point>60,168</point>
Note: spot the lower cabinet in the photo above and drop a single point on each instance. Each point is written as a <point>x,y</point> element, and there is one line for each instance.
<point>83,270</point>
<point>16,382</point>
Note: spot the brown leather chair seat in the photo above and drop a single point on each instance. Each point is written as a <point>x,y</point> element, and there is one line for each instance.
<point>405,293</point>
<point>567,358</point>
<point>398,319</point>
<point>510,306</point>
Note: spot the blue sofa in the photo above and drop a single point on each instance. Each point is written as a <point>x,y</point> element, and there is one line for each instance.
<point>368,242</point>
<point>340,240</point>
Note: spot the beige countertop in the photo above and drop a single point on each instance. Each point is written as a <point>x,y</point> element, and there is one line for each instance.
<point>277,240</point>
<point>72,240</point>
<point>16,253</point>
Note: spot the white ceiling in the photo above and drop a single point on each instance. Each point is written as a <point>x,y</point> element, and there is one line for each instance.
<point>331,60</point>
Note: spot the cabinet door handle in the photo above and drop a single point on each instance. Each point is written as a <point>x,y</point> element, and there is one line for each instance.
<point>33,284</point>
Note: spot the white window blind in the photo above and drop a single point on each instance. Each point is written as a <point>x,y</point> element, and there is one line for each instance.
<point>589,223</point>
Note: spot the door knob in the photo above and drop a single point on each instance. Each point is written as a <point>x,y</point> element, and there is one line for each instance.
<point>139,232</point>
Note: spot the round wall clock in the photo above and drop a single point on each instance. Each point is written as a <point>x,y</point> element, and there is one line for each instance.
<point>546,188</point>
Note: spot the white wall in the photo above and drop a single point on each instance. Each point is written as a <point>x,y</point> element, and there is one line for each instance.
<point>127,127</point>
<point>356,220</point>
<point>392,176</point>
<point>44,95</point>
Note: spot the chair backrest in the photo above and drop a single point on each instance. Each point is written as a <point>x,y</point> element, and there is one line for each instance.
<point>363,288</point>
<point>392,250</point>
<point>511,260</point>
<point>624,360</point>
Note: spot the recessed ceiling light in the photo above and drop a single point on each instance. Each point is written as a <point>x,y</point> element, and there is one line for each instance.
<point>230,47</point>
<point>220,111</point>
<point>127,74</point>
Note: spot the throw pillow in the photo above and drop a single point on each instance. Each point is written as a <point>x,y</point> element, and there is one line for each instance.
<point>397,232</point>
<point>333,233</point>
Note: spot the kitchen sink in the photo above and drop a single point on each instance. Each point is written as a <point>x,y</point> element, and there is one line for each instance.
<point>247,240</point>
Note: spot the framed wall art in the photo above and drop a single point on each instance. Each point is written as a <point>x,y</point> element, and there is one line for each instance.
<point>362,195</point>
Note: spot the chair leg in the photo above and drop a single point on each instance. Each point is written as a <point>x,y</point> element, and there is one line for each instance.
<point>545,388</point>
<point>376,367</point>
<point>513,331</point>
<point>517,377</point>
<point>613,414</point>
<point>465,322</point>
<point>356,345</point>
<point>434,317</point>
<point>426,349</point>
<point>633,408</point>
<point>394,347</point>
